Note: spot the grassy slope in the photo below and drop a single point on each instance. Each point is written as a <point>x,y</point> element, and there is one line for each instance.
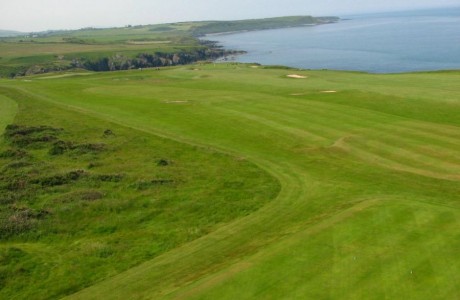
<point>370,179</point>
<point>8,110</point>
<point>95,228</point>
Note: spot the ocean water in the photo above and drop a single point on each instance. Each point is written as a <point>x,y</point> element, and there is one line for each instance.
<point>379,43</point>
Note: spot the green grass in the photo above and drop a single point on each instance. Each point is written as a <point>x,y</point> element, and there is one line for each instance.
<point>139,196</point>
<point>369,175</point>
<point>351,258</point>
<point>8,110</point>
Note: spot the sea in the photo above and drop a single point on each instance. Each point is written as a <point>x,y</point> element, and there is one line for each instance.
<point>424,40</point>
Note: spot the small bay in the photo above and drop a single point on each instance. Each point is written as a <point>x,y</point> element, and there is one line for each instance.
<point>379,43</point>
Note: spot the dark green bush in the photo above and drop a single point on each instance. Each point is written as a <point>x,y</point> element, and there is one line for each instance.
<point>23,136</point>
<point>89,148</point>
<point>108,132</point>
<point>10,153</point>
<point>86,195</point>
<point>163,163</point>
<point>17,165</point>
<point>110,177</point>
<point>14,130</point>
<point>59,179</point>
<point>19,220</point>
<point>59,147</point>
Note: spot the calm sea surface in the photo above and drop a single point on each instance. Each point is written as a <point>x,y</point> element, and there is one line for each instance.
<point>380,43</point>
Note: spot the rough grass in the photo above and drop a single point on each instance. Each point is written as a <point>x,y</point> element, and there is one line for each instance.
<point>369,175</point>
<point>80,203</point>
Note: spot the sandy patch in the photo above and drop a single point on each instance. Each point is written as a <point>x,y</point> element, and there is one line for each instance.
<point>64,75</point>
<point>296,76</point>
<point>147,42</point>
<point>328,91</point>
<point>176,101</point>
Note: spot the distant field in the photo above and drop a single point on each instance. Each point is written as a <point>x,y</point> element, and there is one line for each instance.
<point>11,51</point>
<point>125,48</point>
<point>72,49</point>
<point>368,168</point>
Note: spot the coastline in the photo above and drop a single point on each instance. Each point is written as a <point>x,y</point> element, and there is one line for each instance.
<point>357,45</point>
<point>265,29</point>
<point>232,53</point>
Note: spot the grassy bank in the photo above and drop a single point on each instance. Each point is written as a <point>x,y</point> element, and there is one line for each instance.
<point>82,199</point>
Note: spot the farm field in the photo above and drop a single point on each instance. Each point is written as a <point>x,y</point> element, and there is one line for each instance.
<point>322,185</point>
<point>129,47</point>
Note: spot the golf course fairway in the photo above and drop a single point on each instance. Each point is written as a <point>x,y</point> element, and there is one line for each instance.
<point>362,188</point>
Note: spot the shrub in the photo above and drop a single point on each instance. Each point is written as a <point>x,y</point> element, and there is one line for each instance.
<point>110,177</point>
<point>14,130</point>
<point>16,184</point>
<point>10,153</point>
<point>25,135</point>
<point>20,220</point>
<point>88,148</point>
<point>163,163</point>
<point>91,195</point>
<point>161,181</point>
<point>60,147</point>
<point>59,179</point>
<point>9,197</point>
<point>87,195</point>
<point>108,132</point>
<point>17,165</point>
<point>144,184</point>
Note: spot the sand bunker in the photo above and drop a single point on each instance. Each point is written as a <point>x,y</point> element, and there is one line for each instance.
<point>64,75</point>
<point>328,91</point>
<point>176,101</point>
<point>147,42</point>
<point>296,76</point>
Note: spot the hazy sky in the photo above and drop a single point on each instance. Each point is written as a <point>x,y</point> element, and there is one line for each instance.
<point>38,15</point>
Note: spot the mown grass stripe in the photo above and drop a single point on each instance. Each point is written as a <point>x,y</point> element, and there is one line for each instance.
<point>8,109</point>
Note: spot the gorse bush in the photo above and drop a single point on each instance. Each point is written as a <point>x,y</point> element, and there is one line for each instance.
<point>59,179</point>
<point>23,136</point>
